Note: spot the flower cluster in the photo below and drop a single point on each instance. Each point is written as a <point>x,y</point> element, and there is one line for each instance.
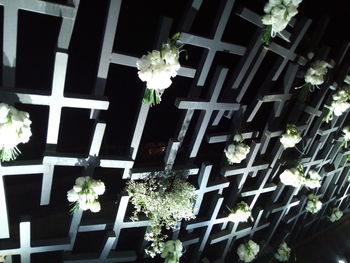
<point>295,177</point>
<point>346,136</point>
<point>316,73</point>
<point>172,251</point>
<point>339,104</point>
<point>313,204</point>
<point>291,137</point>
<point>85,193</point>
<point>157,68</point>
<point>14,129</point>
<point>241,213</point>
<point>277,17</point>
<point>283,252</point>
<point>248,251</point>
<point>237,151</point>
<point>335,215</point>
<point>165,202</point>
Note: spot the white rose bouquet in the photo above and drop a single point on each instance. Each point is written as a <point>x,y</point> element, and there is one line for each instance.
<point>313,180</point>
<point>335,215</point>
<point>277,16</point>
<point>237,151</point>
<point>84,194</point>
<point>158,67</point>
<point>346,136</point>
<point>172,251</point>
<point>339,104</point>
<point>291,137</point>
<point>294,177</point>
<point>283,252</point>
<point>14,129</point>
<point>240,213</point>
<point>313,204</point>
<point>248,251</point>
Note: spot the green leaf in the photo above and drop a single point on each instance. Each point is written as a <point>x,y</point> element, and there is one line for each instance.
<point>266,38</point>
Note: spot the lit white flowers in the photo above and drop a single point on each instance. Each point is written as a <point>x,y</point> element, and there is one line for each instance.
<point>157,68</point>
<point>241,213</point>
<point>291,137</point>
<point>335,215</point>
<point>283,252</point>
<point>14,129</point>
<point>346,136</point>
<point>165,201</point>
<point>295,177</point>
<point>85,193</point>
<point>316,73</point>
<point>313,204</point>
<point>277,16</point>
<point>248,251</point>
<point>339,104</point>
<point>237,151</point>
<point>172,251</point>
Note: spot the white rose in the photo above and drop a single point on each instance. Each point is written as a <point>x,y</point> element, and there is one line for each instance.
<point>81,180</point>
<point>77,188</point>
<point>72,196</point>
<point>95,207</point>
<point>98,187</point>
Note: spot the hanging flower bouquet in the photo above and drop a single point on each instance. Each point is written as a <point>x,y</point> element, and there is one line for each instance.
<point>248,251</point>
<point>278,13</point>
<point>313,204</point>
<point>84,194</point>
<point>291,137</point>
<point>237,151</point>
<point>14,129</point>
<point>295,177</point>
<point>165,201</point>
<point>283,252</point>
<point>339,104</point>
<point>314,77</point>
<point>172,251</point>
<point>335,215</point>
<point>158,67</point>
<point>346,136</point>
<point>240,213</point>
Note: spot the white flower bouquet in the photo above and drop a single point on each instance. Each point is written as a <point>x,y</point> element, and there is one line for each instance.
<point>14,129</point>
<point>313,204</point>
<point>240,213</point>
<point>158,67</point>
<point>278,13</point>
<point>237,151</point>
<point>291,137</point>
<point>165,201</point>
<point>346,136</point>
<point>283,252</point>
<point>339,104</point>
<point>313,180</point>
<point>84,194</point>
<point>248,251</point>
<point>335,215</point>
<point>294,177</point>
<point>172,251</point>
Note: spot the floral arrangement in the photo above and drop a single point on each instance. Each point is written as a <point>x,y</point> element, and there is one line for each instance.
<point>237,151</point>
<point>283,252</point>
<point>339,104</point>
<point>172,251</point>
<point>295,177</point>
<point>335,215</point>
<point>165,201</point>
<point>313,204</point>
<point>158,67</point>
<point>84,194</point>
<point>346,136</point>
<point>248,251</point>
<point>291,137</point>
<point>14,129</point>
<point>278,13</point>
<point>240,213</point>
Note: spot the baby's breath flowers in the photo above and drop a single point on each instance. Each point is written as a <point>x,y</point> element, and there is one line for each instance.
<point>278,13</point>
<point>84,194</point>
<point>14,129</point>
<point>291,137</point>
<point>165,201</point>
<point>158,67</point>
<point>313,204</point>
<point>237,151</point>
